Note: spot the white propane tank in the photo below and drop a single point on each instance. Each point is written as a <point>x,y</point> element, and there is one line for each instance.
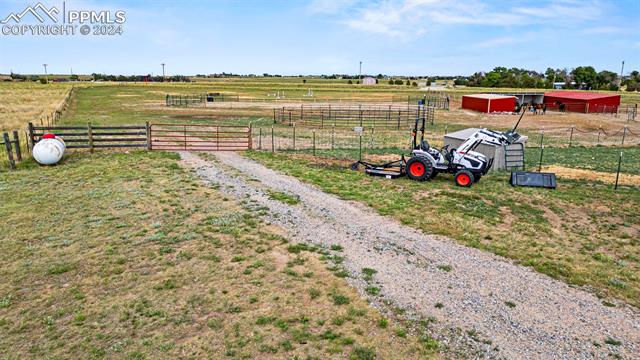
<point>49,150</point>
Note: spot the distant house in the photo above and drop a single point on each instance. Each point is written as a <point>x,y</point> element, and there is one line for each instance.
<point>5,78</point>
<point>368,81</point>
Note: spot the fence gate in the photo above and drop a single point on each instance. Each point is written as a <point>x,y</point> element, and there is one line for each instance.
<point>200,137</point>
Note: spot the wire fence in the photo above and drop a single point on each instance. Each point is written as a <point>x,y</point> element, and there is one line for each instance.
<point>387,117</point>
<point>574,136</point>
<point>297,138</point>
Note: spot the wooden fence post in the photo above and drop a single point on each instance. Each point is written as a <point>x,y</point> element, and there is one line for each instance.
<point>16,141</point>
<point>624,134</point>
<point>90,135</point>
<point>314,143</point>
<point>294,137</point>
<point>273,140</point>
<point>7,146</point>
<point>32,139</point>
<point>148,130</point>
<point>260,138</point>
<point>250,137</point>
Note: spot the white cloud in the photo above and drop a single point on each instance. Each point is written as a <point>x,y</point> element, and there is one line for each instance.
<point>405,18</point>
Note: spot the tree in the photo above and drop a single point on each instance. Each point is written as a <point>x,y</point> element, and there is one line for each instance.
<point>492,79</point>
<point>390,81</point>
<point>414,84</point>
<point>408,83</point>
<point>398,82</point>
<point>633,82</point>
<point>304,81</point>
<point>349,82</point>
<point>584,76</point>
<point>606,80</point>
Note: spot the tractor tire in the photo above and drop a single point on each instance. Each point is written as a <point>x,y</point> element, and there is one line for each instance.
<point>476,178</point>
<point>434,173</point>
<point>419,168</point>
<point>463,178</point>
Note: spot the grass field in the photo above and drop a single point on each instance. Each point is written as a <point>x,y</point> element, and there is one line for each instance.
<point>120,255</point>
<point>583,233</point>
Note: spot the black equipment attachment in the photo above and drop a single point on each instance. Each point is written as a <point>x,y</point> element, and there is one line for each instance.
<point>533,179</point>
<point>390,170</point>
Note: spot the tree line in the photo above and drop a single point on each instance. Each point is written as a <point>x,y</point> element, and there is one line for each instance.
<point>582,77</point>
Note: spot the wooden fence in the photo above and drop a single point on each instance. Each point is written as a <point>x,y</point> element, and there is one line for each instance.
<point>55,116</point>
<point>94,137</point>
<point>12,146</point>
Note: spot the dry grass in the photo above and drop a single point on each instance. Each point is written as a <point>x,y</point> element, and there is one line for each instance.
<point>28,101</point>
<point>590,175</point>
<point>129,256</point>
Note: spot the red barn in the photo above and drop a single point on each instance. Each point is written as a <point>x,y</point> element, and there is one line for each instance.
<point>586,102</point>
<point>489,103</point>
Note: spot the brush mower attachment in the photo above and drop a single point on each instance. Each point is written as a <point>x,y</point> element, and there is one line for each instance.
<point>390,170</point>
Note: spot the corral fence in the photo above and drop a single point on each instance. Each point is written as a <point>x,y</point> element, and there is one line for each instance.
<point>187,100</point>
<point>199,137</point>
<point>321,116</point>
<point>631,110</point>
<point>440,102</point>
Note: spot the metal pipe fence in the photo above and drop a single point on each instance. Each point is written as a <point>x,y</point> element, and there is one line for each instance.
<point>324,116</point>
<point>440,102</point>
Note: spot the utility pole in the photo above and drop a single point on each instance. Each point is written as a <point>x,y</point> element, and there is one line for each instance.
<point>46,75</point>
<point>162,71</point>
<point>360,74</point>
<point>621,72</point>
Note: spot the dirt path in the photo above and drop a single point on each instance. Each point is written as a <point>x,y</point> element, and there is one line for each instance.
<point>524,314</point>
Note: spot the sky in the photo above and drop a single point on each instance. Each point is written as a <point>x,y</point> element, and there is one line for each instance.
<point>393,37</point>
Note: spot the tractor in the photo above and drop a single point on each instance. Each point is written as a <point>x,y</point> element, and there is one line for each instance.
<point>425,162</point>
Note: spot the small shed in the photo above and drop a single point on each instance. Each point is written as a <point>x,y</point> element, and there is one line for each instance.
<point>504,157</point>
<point>368,81</point>
<point>582,101</point>
<point>489,103</point>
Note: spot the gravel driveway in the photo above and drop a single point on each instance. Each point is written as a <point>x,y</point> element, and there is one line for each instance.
<point>511,311</point>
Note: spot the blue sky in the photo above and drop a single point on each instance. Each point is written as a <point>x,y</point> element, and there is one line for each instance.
<point>413,37</point>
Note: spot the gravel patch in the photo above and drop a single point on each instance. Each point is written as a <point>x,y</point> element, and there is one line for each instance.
<point>510,311</point>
